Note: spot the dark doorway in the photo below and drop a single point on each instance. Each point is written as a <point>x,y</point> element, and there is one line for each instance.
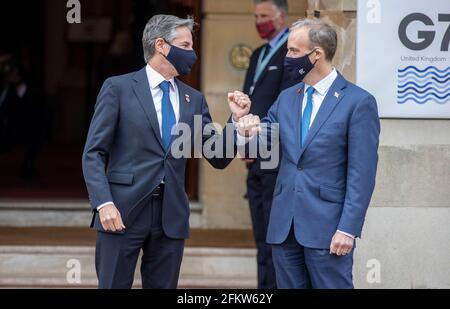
<point>63,74</point>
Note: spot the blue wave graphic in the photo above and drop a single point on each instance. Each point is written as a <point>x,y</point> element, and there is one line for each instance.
<point>428,74</point>
<point>409,68</point>
<point>423,79</point>
<point>415,90</point>
<point>424,96</point>
<point>423,85</point>
<point>422,101</point>
<point>407,84</point>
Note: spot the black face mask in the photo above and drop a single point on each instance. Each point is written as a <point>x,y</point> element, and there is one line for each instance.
<point>298,68</point>
<point>183,60</point>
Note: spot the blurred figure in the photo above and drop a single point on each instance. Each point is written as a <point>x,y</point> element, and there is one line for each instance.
<point>21,118</point>
<point>265,79</point>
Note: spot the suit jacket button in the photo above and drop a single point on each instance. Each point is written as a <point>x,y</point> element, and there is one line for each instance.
<point>300,168</point>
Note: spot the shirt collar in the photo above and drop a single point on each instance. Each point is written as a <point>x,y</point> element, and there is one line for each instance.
<point>324,85</point>
<point>275,40</point>
<point>155,79</point>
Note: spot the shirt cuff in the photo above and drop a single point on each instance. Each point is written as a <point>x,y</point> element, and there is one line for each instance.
<point>346,234</point>
<point>103,205</point>
<point>241,140</point>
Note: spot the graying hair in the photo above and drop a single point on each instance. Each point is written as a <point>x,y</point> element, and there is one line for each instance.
<point>320,34</point>
<point>164,27</point>
<point>282,5</point>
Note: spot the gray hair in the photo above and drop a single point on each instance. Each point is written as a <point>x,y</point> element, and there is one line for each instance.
<point>164,27</point>
<point>320,34</point>
<point>282,5</point>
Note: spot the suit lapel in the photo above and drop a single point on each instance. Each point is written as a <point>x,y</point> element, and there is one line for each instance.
<point>184,97</point>
<point>333,97</point>
<point>142,90</point>
<point>271,61</point>
<point>264,72</point>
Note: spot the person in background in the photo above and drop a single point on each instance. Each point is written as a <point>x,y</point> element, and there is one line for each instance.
<point>21,118</point>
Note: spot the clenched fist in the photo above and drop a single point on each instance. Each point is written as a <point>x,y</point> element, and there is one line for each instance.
<point>341,244</point>
<point>249,125</point>
<point>111,219</point>
<point>239,104</point>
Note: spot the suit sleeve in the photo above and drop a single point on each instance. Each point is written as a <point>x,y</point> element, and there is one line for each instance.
<point>363,141</point>
<point>218,149</point>
<point>98,144</point>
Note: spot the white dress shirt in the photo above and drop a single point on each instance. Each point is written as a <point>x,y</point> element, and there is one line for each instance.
<point>321,90</point>
<point>154,80</point>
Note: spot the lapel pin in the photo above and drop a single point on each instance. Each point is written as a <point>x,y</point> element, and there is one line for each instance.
<point>336,95</point>
<point>299,90</point>
<point>188,98</point>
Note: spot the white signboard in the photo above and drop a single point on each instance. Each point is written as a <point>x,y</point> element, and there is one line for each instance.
<point>403,56</point>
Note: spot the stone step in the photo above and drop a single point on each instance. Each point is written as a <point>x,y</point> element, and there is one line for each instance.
<point>73,267</point>
<point>60,213</point>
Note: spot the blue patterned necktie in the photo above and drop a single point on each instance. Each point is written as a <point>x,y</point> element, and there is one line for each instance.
<point>168,115</point>
<point>306,119</point>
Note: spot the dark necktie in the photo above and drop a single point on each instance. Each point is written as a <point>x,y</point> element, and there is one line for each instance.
<point>266,51</point>
<point>168,115</point>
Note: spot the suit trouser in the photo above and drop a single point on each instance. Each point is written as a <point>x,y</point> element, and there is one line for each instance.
<point>299,267</point>
<point>260,187</point>
<point>117,254</point>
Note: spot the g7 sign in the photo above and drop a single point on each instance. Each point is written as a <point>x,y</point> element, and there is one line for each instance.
<point>427,37</point>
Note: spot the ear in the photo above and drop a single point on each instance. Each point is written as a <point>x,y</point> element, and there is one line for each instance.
<point>159,45</point>
<point>319,54</point>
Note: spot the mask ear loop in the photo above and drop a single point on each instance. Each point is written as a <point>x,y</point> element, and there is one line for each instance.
<point>314,50</point>
<point>165,43</point>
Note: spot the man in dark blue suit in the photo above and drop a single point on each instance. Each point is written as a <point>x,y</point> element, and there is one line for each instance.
<point>135,178</point>
<point>329,133</point>
<point>264,81</point>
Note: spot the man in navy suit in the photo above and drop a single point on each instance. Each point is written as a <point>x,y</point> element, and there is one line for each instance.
<point>329,133</point>
<point>264,81</point>
<point>134,177</point>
